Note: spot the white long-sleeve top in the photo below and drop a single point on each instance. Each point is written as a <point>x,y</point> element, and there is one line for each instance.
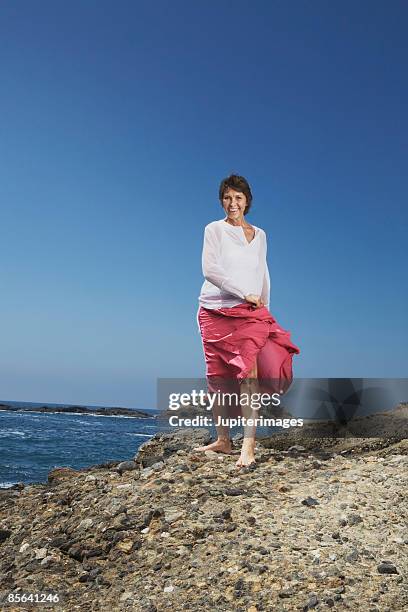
<point>232,266</point>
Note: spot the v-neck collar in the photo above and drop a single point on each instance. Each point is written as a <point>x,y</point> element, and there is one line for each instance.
<point>242,232</point>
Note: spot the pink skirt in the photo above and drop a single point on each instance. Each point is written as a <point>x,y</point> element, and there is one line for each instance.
<point>234,337</point>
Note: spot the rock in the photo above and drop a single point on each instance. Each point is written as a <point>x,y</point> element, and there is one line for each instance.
<point>48,560</point>
<point>127,466</point>
<point>313,601</point>
<point>126,545</point>
<point>40,553</point>
<point>386,567</point>
<point>232,492</point>
<point>146,473</point>
<point>286,593</point>
<point>85,524</point>
<point>61,473</point>
<point>162,445</point>
<point>4,534</point>
<point>354,519</point>
<point>352,556</point>
<point>172,515</point>
<point>310,501</point>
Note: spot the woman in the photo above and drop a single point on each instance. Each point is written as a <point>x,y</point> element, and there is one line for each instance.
<point>243,344</point>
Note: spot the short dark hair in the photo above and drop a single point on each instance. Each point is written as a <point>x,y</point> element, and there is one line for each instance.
<point>238,183</point>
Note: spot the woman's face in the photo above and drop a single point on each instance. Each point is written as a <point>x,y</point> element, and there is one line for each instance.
<point>234,204</point>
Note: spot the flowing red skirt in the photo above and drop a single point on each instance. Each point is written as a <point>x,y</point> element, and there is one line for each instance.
<point>234,337</point>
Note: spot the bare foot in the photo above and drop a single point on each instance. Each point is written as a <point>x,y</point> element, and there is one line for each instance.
<point>219,446</point>
<point>247,456</point>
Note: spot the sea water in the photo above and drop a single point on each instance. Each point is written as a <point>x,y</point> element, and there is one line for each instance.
<point>32,444</point>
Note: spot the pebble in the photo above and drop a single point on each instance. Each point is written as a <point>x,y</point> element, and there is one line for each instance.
<point>386,567</point>
<point>310,501</point>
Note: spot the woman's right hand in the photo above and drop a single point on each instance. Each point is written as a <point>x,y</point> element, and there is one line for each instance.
<point>254,299</point>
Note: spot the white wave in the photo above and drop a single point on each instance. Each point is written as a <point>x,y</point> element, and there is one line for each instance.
<point>104,416</point>
<point>79,421</point>
<point>139,434</point>
<point>6,432</point>
<point>7,485</point>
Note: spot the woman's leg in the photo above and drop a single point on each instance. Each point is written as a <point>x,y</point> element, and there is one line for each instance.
<point>221,414</point>
<point>249,386</point>
<point>223,442</point>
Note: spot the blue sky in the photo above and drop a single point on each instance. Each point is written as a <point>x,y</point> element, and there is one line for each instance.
<point>119,120</point>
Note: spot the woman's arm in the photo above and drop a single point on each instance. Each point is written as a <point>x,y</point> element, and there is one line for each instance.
<point>212,268</point>
<point>266,287</point>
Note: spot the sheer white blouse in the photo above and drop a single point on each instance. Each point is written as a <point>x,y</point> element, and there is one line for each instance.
<point>232,266</point>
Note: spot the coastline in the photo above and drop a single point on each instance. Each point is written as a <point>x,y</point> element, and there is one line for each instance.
<point>74,409</point>
<point>172,528</point>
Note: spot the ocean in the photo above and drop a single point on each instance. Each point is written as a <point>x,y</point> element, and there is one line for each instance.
<point>32,444</point>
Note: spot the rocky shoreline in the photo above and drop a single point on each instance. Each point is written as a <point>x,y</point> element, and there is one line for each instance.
<point>80,410</point>
<point>317,524</point>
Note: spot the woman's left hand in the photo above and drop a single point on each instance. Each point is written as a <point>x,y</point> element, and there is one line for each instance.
<point>254,300</point>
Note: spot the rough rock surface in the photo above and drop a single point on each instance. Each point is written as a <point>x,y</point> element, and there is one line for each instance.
<point>313,526</point>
